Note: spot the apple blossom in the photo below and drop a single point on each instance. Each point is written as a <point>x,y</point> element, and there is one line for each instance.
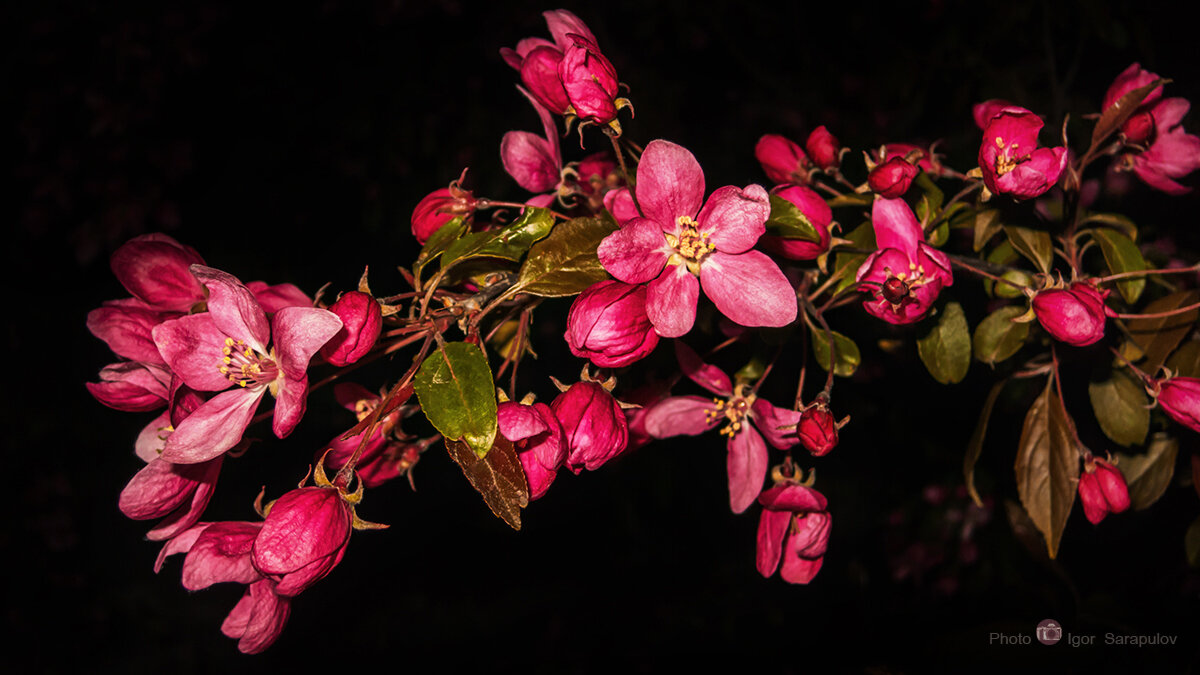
<point>1011,161</point>
<point>905,275</point>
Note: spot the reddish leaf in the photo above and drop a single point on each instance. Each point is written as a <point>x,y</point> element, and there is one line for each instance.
<point>497,476</point>
<point>1116,114</point>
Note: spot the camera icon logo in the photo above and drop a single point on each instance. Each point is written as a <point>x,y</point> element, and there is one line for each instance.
<point>1049,632</point>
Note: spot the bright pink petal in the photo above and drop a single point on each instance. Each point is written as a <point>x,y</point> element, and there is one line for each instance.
<point>620,204</point>
<point>670,184</point>
<point>181,543</point>
<point>562,23</point>
<point>681,416</point>
<point>221,554</point>
<point>1034,176</point>
<point>299,333</point>
<point>530,161</point>
<point>131,386</point>
<point>152,438</point>
<point>772,530</point>
<point>735,218</point>
<point>635,253</point>
<point>1131,78</point>
<point>797,570</point>
<point>778,425</point>
<point>234,308</point>
<point>896,227</point>
<point>304,525</point>
<point>258,618</point>
<point>187,514</point>
<point>518,422</point>
<point>706,375</point>
<point>159,488</point>
<point>191,346</point>
<point>1169,112</point>
<point>214,427</point>
<point>291,399</point>
<point>671,301</point>
<point>746,463</point>
<point>749,288</point>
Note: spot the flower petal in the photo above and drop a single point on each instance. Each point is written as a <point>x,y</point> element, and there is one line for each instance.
<point>274,298</point>
<point>221,554</point>
<point>191,346</point>
<point>704,374</point>
<point>778,425</point>
<point>670,184</point>
<point>895,226</point>
<point>234,309</point>
<point>735,218</point>
<point>671,301</point>
<point>636,253</point>
<point>796,498</point>
<point>258,618</point>
<point>126,328</point>
<point>529,159</point>
<point>214,427</point>
<point>772,530</point>
<point>299,333</point>
<point>681,416</point>
<point>291,400</point>
<point>746,463</point>
<point>518,422</point>
<point>749,288</point>
<point>187,514</point>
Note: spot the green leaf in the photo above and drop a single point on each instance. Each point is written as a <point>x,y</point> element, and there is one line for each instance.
<point>1148,475</point>
<point>438,242</point>
<point>565,262</point>
<point>1047,467</point>
<point>932,198</point>
<point>1115,221</point>
<point>497,476</point>
<point>846,263</point>
<point>1122,255</point>
<point>1191,543</point>
<point>975,446</point>
<point>1186,360</point>
<point>997,337</point>
<point>987,225</point>
<point>946,349</point>
<point>1019,277</point>
<point>786,220</point>
<point>846,355</point>
<point>1120,406</point>
<point>1157,338</point>
<point>455,388</point>
<point>509,242</point>
<point>849,199</point>
<point>1120,111</point>
<point>1033,244</point>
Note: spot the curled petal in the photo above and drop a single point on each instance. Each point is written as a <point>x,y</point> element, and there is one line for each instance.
<point>274,298</point>
<point>221,554</point>
<point>258,618</point>
<point>299,333</point>
<point>772,531</point>
<point>796,498</point>
<point>126,328</point>
<point>530,161</point>
<point>706,375</point>
<point>895,226</point>
<point>154,269</point>
<point>778,425</point>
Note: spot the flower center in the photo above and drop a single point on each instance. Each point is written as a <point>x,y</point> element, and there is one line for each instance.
<point>690,244</point>
<point>246,367</point>
<point>1005,161</point>
<point>735,409</point>
<point>898,288</point>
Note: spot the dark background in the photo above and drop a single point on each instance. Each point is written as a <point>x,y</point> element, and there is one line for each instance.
<point>291,143</point>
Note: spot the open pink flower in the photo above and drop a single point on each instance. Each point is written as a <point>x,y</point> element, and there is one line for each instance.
<point>794,526</point>
<point>227,346</point>
<point>1158,150</point>
<point>905,275</point>
<point>740,409</point>
<point>1011,161</point>
<point>682,237</point>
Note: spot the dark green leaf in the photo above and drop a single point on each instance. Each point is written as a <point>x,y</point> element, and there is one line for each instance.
<point>997,337</point>
<point>1120,405</point>
<point>1157,338</point>
<point>788,221</point>
<point>946,349</point>
<point>1047,467</point>
<point>438,242</point>
<point>498,476</point>
<point>1115,221</point>
<point>1033,244</point>
<point>455,388</point>
<point>987,225</point>
<point>565,262</point>
<point>932,198</point>
<point>975,446</point>
<point>1122,255</point>
<point>1186,360</point>
<point>509,242</point>
<point>846,355</point>
<point>1149,475</point>
<point>1120,111</point>
<point>846,263</point>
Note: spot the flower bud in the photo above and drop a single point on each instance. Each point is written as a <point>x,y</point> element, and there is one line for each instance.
<point>304,538</point>
<point>539,73</point>
<point>782,159</point>
<point>593,423</point>
<point>823,148</point>
<point>1074,315</point>
<point>438,208</point>
<point>154,268</point>
<point>892,179</point>
<point>793,528</point>
<point>1179,397</point>
<point>608,325</point>
<point>590,81</point>
<point>819,216</point>
<point>817,430</point>
<point>1102,490</point>
<point>1139,128</point>
<point>362,321</point>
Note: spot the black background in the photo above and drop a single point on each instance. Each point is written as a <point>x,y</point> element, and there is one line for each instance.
<point>290,143</point>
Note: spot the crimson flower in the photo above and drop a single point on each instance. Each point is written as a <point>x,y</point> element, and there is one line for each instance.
<point>683,237</point>
<point>1158,150</point>
<point>1011,161</point>
<point>905,275</point>
<point>794,527</point>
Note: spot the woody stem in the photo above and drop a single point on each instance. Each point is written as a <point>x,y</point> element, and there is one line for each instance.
<point>1160,315</point>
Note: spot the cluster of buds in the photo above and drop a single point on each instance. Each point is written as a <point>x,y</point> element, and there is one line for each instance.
<point>1102,489</point>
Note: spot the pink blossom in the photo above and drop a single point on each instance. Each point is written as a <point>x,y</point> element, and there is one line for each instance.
<point>678,241</point>
<point>594,426</point>
<point>1102,490</point>
<point>1074,315</point>
<point>1157,148</point>
<point>227,345</point>
<point>819,215</point>
<point>824,148</point>
<point>1179,397</point>
<point>782,159</point>
<point>303,538</point>
<point>747,419</point>
<point>1011,161</point>
<point>125,326</point>
<point>539,60</point>
<point>362,321</point>
<point>608,325</point>
<point>794,526</point>
<point>905,275</point>
<point>274,298</point>
<point>892,178</point>
<point>535,162</point>
<point>538,437</point>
